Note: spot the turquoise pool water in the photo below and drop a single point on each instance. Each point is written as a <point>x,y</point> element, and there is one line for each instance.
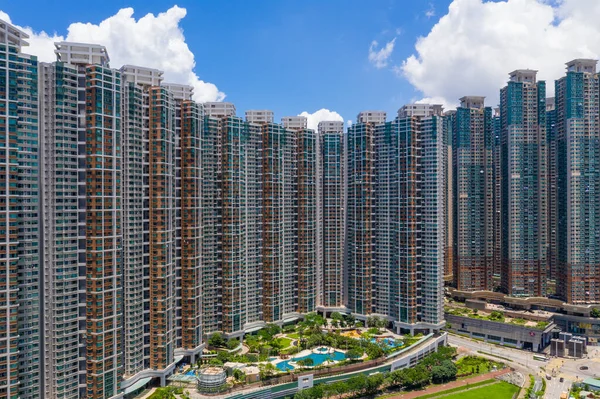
<point>388,342</point>
<point>284,366</point>
<point>191,372</point>
<point>318,359</point>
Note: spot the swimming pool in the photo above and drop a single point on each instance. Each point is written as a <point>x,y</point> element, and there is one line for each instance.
<point>387,342</point>
<point>191,372</point>
<point>318,359</point>
<point>284,366</point>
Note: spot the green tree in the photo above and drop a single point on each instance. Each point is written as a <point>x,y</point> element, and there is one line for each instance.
<point>357,383</point>
<point>232,343</point>
<point>266,371</point>
<point>354,353</point>
<point>497,316</point>
<point>337,316</point>
<point>223,356</point>
<point>372,321</point>
<point>216,340</point>
<point>338,388</point>
<point>444,372</point>
<point>373,330</point>
<point>397,378</point>
<point>252,358</point>
<point>417,377</point>
<point>215,362</point>
<point>373,383</point>
<point>595,312</point>
<point>239,375</point>
<point>374,351</point>
<point>307,362</point>
<point>315,392</point>
<point>350,320</point>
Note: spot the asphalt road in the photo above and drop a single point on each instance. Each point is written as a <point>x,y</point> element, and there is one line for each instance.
<point>568,369</point>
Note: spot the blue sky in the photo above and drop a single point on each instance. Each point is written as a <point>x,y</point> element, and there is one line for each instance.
<point>288,56</point>
<point>292,56</point>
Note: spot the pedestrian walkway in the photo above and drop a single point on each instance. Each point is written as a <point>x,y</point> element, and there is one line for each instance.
<point>450,385</point>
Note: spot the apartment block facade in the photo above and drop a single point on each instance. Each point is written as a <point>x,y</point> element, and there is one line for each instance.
<point>280,226</point>
<point>396,236</point>
<point>20,251</point>
<point>332,216</point>
<point>409,213</point>
<point>473,195</point>
<point>578,183</point>
<point>524,203</point>
<point>360,205</point>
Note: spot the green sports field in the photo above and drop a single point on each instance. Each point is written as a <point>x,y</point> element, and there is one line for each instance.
<point>496,390</point>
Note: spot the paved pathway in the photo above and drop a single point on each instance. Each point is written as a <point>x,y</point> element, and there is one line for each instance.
<point>450,385</point>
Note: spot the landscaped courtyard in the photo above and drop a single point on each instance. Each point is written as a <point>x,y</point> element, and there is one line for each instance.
<point>316,343</point>
<point>313,343</point>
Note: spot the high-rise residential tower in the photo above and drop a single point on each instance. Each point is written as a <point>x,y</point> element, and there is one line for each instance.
<point>551,135</point>
<point>104,236</point>
<point>162,198</point>
<point>578,183</point>
<point>279,216</point>
<point>241,178</point>
<point>20,240</point>
<point>211,226</point>
<point>449,182</point>
<point>409,231</point>
<point>496,121</point>
<point>135,100</point>
<point>524,185</point>
<point>473,199</point>
<point>359,212</point>
<point>192,225</point>
<point>332,205</point>
<point>82,222</point>
<point>306,203</point>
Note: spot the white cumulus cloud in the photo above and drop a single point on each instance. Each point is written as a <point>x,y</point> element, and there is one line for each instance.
<point>379,56</point>
<point>472,48</point>
<point>320,116</point>
<point>155,41</point>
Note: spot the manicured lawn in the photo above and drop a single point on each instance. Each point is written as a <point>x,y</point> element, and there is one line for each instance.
<point>474,365</point>
<point>293,335</point>
<point>284,342</point>
<point>448,391</point>
<point>499,390</point>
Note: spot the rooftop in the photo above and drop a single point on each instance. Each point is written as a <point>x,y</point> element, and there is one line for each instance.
<point>212,371</point>
<point>9,34</point>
